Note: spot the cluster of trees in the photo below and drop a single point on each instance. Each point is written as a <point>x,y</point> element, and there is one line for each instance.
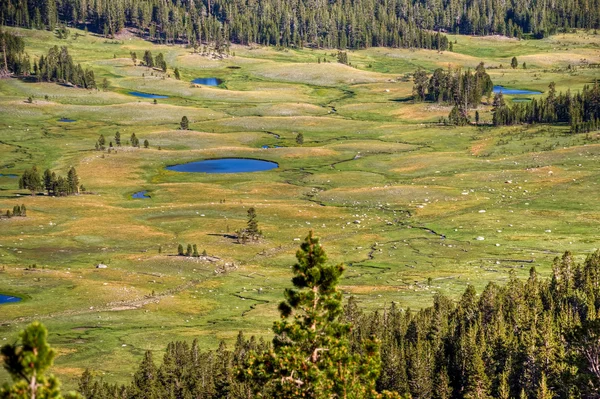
<point>332,24</point>
<point>462,89</point>
<point>50,182</point>
<point>58,66</point>
<point>13,59</point>
<point>251,232</point>
<point>191,250</point>
<point>151,62</point>
<point>581,110</point>
<point>17,211</point>
<point>535,338</point>
<point>134,141</point>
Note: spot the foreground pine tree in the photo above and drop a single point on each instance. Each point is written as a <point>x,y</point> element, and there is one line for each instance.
<point>26,361</point>
<point>311,356</point>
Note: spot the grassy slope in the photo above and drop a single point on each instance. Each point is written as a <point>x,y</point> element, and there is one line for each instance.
<point>372,161</point>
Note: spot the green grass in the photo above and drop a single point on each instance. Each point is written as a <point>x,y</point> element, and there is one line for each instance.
<point>396,198</point>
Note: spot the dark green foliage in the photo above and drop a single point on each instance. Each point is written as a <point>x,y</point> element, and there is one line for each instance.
<point>580,110</point>
<point>185,123</point>
<point>311,355</point>
<point>160,62</point>
<point>189,251</point>
<point>118,139</point>
<point>135,142</point>
<point>342,57</point>
<point>146,144</point>
<point>251,232</point>
<point>300,138</point>
<point>514,63</point>
<point>58,66</point>
<point>148,59</point>
<point>177,74</point>
<point>180,250</point>
<point>296,23</point>
<point>528,339</point>
<point>31,180</point>
<point>26,361</point>
<point>13,58</point>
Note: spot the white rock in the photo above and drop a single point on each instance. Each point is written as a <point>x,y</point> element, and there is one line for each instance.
<point>480,238</point>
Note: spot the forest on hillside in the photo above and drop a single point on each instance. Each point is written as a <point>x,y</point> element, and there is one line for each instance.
<point>333,24</point>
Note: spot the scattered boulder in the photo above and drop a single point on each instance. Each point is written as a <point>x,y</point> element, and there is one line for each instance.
<point>101,266</point>
<point>480,238</point>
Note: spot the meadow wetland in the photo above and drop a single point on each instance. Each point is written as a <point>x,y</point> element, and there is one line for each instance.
<point>413,207</point>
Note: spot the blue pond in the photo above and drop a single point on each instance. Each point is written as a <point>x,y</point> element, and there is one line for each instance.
<point>8,299</point>
<point>10,176</point>
<point>146,95</point>
<point>225,165</point>
<point>207,81</point>
<point>504,90</point>
<point>66,120</point>
<point>140,194</point>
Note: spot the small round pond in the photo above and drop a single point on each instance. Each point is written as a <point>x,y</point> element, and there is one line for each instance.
<point>146,95</point>
<point>207,81</point>
<point>225,165</point>
<point>505,90</point>
<point>8,299</point>
<point>140,194</point>
<point>66,120</point>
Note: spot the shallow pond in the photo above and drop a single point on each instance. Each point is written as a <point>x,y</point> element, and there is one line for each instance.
<point>66,120</point>
<point>10,176</point>
<point>504,90</point>
<point>225,165</point>
<point>207,81</point>
<point>146,95</point>
<point>8,299</point>
<point>140,194</point>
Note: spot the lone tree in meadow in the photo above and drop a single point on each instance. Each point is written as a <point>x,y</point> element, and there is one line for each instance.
<point>118,138</point>
<point>26,361</point>
<point>300,139</point>
<point>31,180</point>
<point>146,144</point>
<point>135,142</point>
<point>514,63</point>
<point>177,74</point>
<point>311,355</point>
<point>185,123</point>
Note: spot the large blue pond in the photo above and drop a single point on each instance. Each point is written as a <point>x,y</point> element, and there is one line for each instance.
<point>146,95</point>
<point>207,81</point>
<point>225,165</point>
<point>504,90</point>
<point>8,299</point>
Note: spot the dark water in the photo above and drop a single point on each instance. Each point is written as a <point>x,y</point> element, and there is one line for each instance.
<point>8,299</point>
<point>10,176</point>
<point>225,165</point>
<point>146,95</point>
<point>521,100</point>
<point>207,81</point>
<point>66,120</point>
<point>140,194</point>
<point>504,90</point>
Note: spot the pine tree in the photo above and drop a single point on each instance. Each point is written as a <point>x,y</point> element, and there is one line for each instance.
<point>185,123</point>
<point>514,63</point>
<point>188,251</point>
<point>31,180</point>
<point>180,250</point>
<point>300,138</point>
<point>73,181</point>
<point>146,144</point>
<point>195,253</point>
<point>144,385</point>
<point>27,362</point>
<point>311,356</point>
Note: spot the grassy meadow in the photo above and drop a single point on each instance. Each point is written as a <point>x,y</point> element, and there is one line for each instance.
<point>411,207</point>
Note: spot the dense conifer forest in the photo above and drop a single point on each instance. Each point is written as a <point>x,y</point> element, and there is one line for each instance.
<point>526,339</point>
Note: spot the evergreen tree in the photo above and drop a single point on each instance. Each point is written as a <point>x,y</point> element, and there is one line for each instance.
<point>300,138</point>
<point>185,123</point>
<point>311,356</point>
<point>27,362</point>
<point>73,181</point>
<point>514,63</point>
<point>180,250</point>
<point>31,180</point>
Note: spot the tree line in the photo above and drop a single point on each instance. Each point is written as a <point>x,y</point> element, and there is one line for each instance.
<point>580,110</point>
<point>18,210</point>
<point>462,89</point>
<point>535,339</point>
<point>298,23</point>
<point>58,66</point>
<point>50,182</point>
